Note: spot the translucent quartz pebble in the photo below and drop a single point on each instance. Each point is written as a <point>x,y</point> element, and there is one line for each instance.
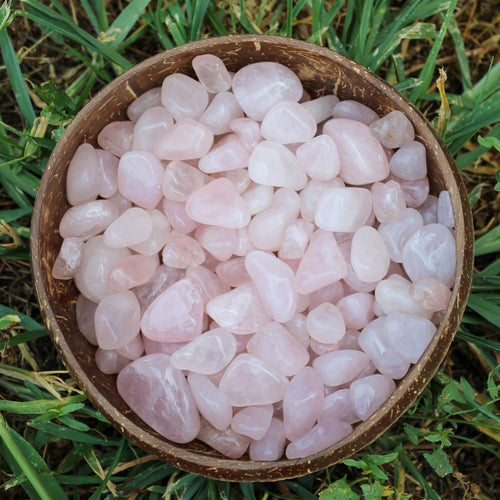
<point>212,73</point>
<point>212,403</point>
<point>82,179</point>
<point>218,204</point>
<point>117,320</point>
<point>182,251</point>
<point>159,234</point>
<point>233,272</point>
<point>373,342</point>
<point>388,201</point>
<point>343,209</point>
<point>243,243</point>
<point>149,99</point>
<point>249,381</point>
<point>394,296</point>
<point>186,140</point>
<point>275,283</point>
<point>322,264</point>
<point>279,349</point>
<point>151,127</point>
<point>163,277</point>
<point>302,403</point>
<point>110,361</point>
<point>319,438</point>
<point>369,256</point>
<point>253,421</point>
<point>329,293</point>
<point>393,130</point>
<point>320,158</point>
<point>272,445</point>
<point>134,226</point>
<point>175,315</point>
<point>120,201</point>
<point>240,310</point>
<point>133,350</point>
<point>362,158</point>
<point>273,164</point>
<point>409,162</point>
<point>430,253</point>
<point>415,192</point>
<point>259,86</point>
<point>132,271</point>
<point>338,405</point>
<point>247,130</point>
<point>326,324</point>
<point>85,312</point>
<point>221,111</point>
<point>139,178</point>
<point>310,195</point>
<point>97,261</point>
<point>226,441</point>
<point>183,96</point>
<point>445,210</point>
<point>409,335</point>
<point>429,209</point>
<point>160,395</point>
<point>430,293</point>
<point>369,393</point>
<point>177,216</point>
<point>396,233</point>
<point>321,108</point>
<point>218,241</point>
<point>87,219</point>
<point>295,239</point>
<point>356,309</point>
<point>180,179</point>
<point>239,177</point>
<point>68,259</point>
<point>339,367</point>
<point>117,137</point>
<point>207,281</point>
<point>354,110</point>
<point>107,172</point>
<point>152,347</point>
<point>288,122</point>
<point>207,354</point>
<point>228,154</point>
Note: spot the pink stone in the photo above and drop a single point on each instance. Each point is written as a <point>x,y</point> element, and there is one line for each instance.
<point>321,108</point>
<point>87,219</point>
<point>183,96</point>
<point>429,210</point>
<point>120,201</point>
<point>393,130</point>
<point>343,209</point>
<point>208,282</point>
<point>297,327</point>
<point>247,130</point>
<point>226,441</point>
<point>362,158</point>
<point>275,283</point>
<point>159,234</point>
<point>180,180</point>
<point>430,253</point>
<point>220,113</point>
<point>160,395</point>
<point>388,201</point>
<point>430,293</point>
<point>116,137</point>
<point>369,393</point>
<point>329,293</point>
<point>320,158</point>
<point>218,204</point>
<point>133,350</point>
<point>239,177</point>
<point>243,243</point>
<point>394,296</point>
<point>186,140</point>
<point>139,178</point>
<point>110,361</point>
<point>182,251</point>
<point>85,312</point>
<point>249,381</point>
<point>162,278</point>
<point>117,320</point>
<point>175,315</point>
<point>338,405</point>
<point>253,421</point>
<point>445,210</point>
<point>107,172</point>
<point>354,110</point>
<point>132,271</point>
<point>415,192</point>
<point>369,255</point>
<point>340,367</point>
<point>326,324</point>
<point>228,154</point>
<point>272,445</point>
<point>259,86</point>
<point>233,272</point>
<point>409,162</point>
<point>218,241</point>
<point>212,73</point>
<point>82,179</point>
<point>175,212</point>
<point>151,126</point>
<point>212,403</point>
<point>134,226</point>
<point>311,194</point>
<point>152,347</point>
<point>147,100</point>
<point>295,239</point>
<point>68,259</point>
<point>357,310</point>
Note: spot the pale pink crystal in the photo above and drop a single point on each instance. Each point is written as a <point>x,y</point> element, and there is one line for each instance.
<point>147,100</point>
<point>320,158</point>
<point>228,154</point>
<point>357,310</point>
<point>326,324</point>
<point>431,294</point>
<point>310,195</point>
<point>120,201</point>
<point>388,201</point>
<point>212,73</point>
<point>132,271</point>
<point>85,312</point>
<point>225,441</point>
<point>247,130</point>
<point>153,347</point>
<point>107,172</point>
<point>393,130</point>
<point>162,278</point>
<point>134,349</point>
<point>159,234</point>
<point>220,113</point>
<point>329,293</point>
<point>340,367</point>
<point>369,393</point>
<point>295,239</point>
<point>321,108</point>
<point>239,177</point>
<point>82,178</point>
<point>338,405</point>
<point>177,216</point>
<point>160,395</point>
<point>429,209</point>
<point>110,361</point>
<point>355,110</point>
<point>253,421</point>
<point>409,162</point>
<point>297,327</point>
<point>415,192</point>
<point>151,126</point>
<point>369,255</point>
<point>218,241</point>
<point>233,272</point>
<point>175,315</point>
<point>208,282</point>
<point>68,259</point>
<point>116,137</point>
<point>394,296</point>
<point>182,251</point>
<point>272,445</point>
<point>134,226</point>
<point>445,210</point>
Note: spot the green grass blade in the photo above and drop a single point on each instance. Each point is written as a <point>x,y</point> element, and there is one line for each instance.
<point>128,17</point>
<point>215,20</point>
<point>487,309</point>
<point>200,9</point>
<point>466,159</point>
<point>23,337</point>
<point>463,62</point>
<point>91,14</point>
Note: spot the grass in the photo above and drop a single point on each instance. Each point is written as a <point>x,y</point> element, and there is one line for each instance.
<point>57,54</point>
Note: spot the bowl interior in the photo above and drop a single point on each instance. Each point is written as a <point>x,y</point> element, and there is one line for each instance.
<point>321,71</point>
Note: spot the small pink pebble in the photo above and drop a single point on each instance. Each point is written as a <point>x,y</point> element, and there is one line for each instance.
<point>134,226</point>
<point>117,137</point>
<point>247,130</point>
<point>212,73</point>
<point>228,154</point>
<point>272,445</point>
<point>110,361</point>
<point>429,209</point>
<point>233,272</point>
<point>369,393</point>
<point>321,108</point>
<point>409,162</point>
<point>182,251</point>
<point>221,111</point>
<point>310,195</point>
<point>369,256</point>
<point>207,281</point>
<point>253,421</point>
<point>329,293</point>
<point>393,130</point>
<point>133,350</point>
<point>147,100</point>
<point>445,210</point>
<point>151,127</point>
<point>431,294</point>
<point>295,239</point>
<point>354,110</point>
<point>107,171</point>
<point>415,192</point>
<point>326,324</point>
<point>320,158</point>
<point>218,241</point>
<point>132,271</point>
<point>82,179</point>
<point>394,296</point>
<point>340,367</point>
<point>175,212</point>
<point>338,405</point>
<point>68,259</point>
<point>388,201</point>
<point>85,312</point>
<point>357,310</point>
<point>225,441</point>
<point>159,234</point>
<point>163,277</point>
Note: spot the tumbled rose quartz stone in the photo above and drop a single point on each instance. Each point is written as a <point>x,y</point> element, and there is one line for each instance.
<point>259,86</point>
<point>310,195</point>
<point>134,226</point>
<point>221,111</point>
<point>120,202</point>
<point>218,204</point>
<point>212,403</point>
<point>329,293</point>
<point>445,210</point>
<point>82,180</point>
<point>326,324</point>
<point>175,315</point>
<point>68,259</point>
<point>369,393</point>
<point>394,296</point>
<point>393,130</point>
<point>186,140</point>
<point>233,272</point>
<point>87,219</point>
<point>159,234</point>
<point>357,310</point>
<point>272,445</point>
<point>428,209</point>
<point>117,137</point>
<point>117,320</point>
<point>133,349</point>
<point>338,405</point>
<point>431,294</point>
<point>253,421</point>
<point>297,327</point>
<point>226,441</point>
<point>159,394</point>
<point>339,367</point>
<point>151,127</point>
<point>212,73</point>
<point>369,256</point>
<point>218,241</point>
<point>362,158</point>
<point>163,277</point>
<point>239,177</point>
<point>207,354</point>
<point>175,212</point>
<point>228,154</point>
<point>388,201</point>
<point>207,281</point>
<point>430,253</point>
<point>149,99</point>
<point>107,172</point>
<point>182,251</point>
<point>321,108</point>
<point>247,130</point>
<point>295,239</point>
<point>85,312</point>
<point>415,192</point>
<point>354,110</point>
<point>132,271</point>
<point>110,361</point>
<point>409,162</point>
<point>320,158</point>
<point>139,178</point>
<point>249,381</point>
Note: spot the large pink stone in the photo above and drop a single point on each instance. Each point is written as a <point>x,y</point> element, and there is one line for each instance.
<point>430,293</point>
<point>369,256</point>
<point>369,393</point>
<point>320,158</point>
<point>151,127</point>
<point>175,315</point>
<point>253,421</point>
<point>321,108</point>
<point>362,158</point>
<point>212,73</point>
<point>132,271</point>
<point>85,312</point>
<point>147,100</point>
<point>272,445</point>
<point>218,204</point>
<point>160,395</point>
<point>162,278</point>
<point>221,111</point>
<point>415,192</point>
<point>445,210</point>
<point>326,324</point>
<point>183,96</point>
<point>159,234</point>
<point>247,130</point>
<point>134,226</point>
<point>357,310</point>
<point>295,239</point>
<point>117,137</point>
<point>107,172</point>
<point>182,251</point>
<point>175,212</point>
<point>110,361</point>
<point>226,441</point>
<point>68,259</point>
<point>82,179</point>
<point>388,201</point>
<point>239,177</point>
<point>340,367</point>
<point>393,130</point>
<point>354,110</point>
<point>409,162</point>
<point>228,154</point>
<point>310,195</point>
<point>338,405</point>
